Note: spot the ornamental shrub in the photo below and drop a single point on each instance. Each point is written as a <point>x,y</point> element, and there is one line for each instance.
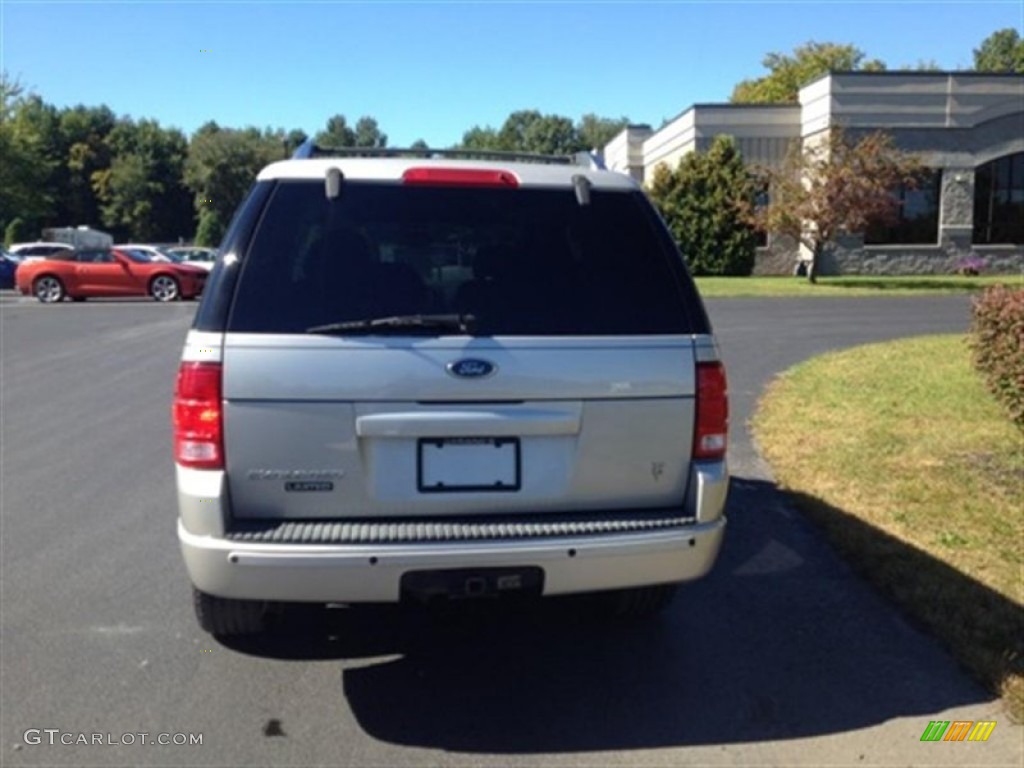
<point>997,344</point>
<point>707,203</point>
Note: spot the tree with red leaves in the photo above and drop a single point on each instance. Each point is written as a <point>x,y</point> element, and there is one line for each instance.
<point>830,185</point>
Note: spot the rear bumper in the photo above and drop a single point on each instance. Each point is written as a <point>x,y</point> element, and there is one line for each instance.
<point>373,572</point>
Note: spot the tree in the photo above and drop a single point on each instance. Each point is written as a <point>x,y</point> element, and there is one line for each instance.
<point>923,65</point>
<point>141,192</point>
<point>552,135</point>
<point>512,134</point>
<point>527,130</point>
<point>294,139</point>
<point>222,164</point>
<point>337,133</point>
<point>419,144</point>
<point>1002,51</point>
<point>707,203</point>
<point>26,161</point>
<point>788,74</point>
<point>595,132</point>
<point>211,229</point>
<point>84,153</point>
<point>834,185</point>
<point>480,138</point>
<point>367,134</point>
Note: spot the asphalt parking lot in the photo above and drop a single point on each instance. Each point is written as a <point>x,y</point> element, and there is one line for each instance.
<point>781,656</point>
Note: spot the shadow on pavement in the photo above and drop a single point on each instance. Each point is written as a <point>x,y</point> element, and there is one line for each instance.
<point>780,641</point>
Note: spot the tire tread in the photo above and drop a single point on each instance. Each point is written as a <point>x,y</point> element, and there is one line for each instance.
<point>224,617</point>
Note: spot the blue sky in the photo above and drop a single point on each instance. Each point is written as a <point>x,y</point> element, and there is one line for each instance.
<point>432,70</point>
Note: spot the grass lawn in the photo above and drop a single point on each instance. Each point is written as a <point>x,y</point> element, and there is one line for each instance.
<point>852,285</point>
<point>916,476</point>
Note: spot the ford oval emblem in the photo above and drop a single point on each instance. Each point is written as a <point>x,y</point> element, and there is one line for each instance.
<point>471,368</point>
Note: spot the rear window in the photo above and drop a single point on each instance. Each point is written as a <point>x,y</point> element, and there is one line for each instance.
<point>522,261</point>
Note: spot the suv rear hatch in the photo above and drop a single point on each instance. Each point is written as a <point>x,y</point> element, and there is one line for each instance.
<point>424,350</point>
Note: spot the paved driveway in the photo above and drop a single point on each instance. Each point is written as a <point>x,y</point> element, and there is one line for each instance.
<point>781,656</point>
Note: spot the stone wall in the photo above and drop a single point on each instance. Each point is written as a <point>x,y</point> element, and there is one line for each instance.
<point>779,257</point>
<point>851,257</point>
<point>919,259</point>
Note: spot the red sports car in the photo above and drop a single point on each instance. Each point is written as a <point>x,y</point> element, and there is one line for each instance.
<point>108,272</point>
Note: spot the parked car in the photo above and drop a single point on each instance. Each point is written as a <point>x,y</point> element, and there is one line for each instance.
<point>107,272</point>
<point>420,379</point>
<point>195,256</point>
<point>155,252</point>
<point>38,250</point>
<point>8,267</point>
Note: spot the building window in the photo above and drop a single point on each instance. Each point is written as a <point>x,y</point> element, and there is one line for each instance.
<point>999,201</point>
<point>761,199</point>
<point>916,221</point>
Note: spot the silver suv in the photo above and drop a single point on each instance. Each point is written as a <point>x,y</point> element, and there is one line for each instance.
<point>439,375</point>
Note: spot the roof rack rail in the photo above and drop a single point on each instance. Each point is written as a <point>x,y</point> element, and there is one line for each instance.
<point>309,149</point>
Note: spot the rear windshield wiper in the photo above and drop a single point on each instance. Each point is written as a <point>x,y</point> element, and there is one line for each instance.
<point>400,323</point>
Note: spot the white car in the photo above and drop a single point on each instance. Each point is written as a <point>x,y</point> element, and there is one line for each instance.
<point>447,378</point>
<point>154,252</point>
<point>38,250</point>
<point>195,256</point>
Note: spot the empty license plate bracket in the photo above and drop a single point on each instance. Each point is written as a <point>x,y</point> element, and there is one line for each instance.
<point>468,464</point>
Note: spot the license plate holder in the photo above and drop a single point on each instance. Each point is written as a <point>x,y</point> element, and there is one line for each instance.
<point>468,464</point>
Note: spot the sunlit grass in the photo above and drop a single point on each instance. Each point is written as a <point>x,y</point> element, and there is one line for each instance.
<point>860,285</point>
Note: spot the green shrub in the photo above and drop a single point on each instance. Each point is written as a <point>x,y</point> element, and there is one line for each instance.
<point>211,229</point>
<point>997,342</point>
<point>707,204</point>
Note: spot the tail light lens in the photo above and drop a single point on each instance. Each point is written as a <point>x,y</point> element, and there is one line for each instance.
<point>459,177</point>
<point>198,416</point>
<point>712,431</point>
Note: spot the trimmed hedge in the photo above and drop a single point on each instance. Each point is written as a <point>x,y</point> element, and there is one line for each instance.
<point>997,343</point>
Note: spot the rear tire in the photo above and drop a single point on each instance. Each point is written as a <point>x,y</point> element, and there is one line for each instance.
<point>164,288</point>
<point>48,289</point>
<point>225,617</point>
<point>640,602</point>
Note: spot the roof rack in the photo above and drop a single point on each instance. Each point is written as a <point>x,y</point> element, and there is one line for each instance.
<point>309,149</point>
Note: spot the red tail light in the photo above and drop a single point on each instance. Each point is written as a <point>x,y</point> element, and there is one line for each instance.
<point>460,177</point>
<point>710,438</point>
<point>198,416</point>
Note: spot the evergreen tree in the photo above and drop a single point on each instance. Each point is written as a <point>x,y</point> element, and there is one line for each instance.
<point>211,228</point>
<point>707,203</point>
<point>1002,51</point>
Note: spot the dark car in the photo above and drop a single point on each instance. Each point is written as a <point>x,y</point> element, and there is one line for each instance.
<point>8,266</point>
